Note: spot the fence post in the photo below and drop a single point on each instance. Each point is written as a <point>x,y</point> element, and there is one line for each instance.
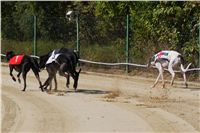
<point>127,42</point>
<point>34,35</point>
<point>77,33</point>
<point>199,47</point>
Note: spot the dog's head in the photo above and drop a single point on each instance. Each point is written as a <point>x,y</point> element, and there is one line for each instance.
<point>151,61</point>
<point>76,79</point>
<point>42,61</point>
<point>9,55</point>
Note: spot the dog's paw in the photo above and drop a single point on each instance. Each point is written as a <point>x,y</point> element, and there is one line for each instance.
<point>14,79</point>
<point>152,86</point>
<point>186,85</point>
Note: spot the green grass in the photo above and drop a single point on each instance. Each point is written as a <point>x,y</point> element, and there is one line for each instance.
<point>26,47</point>
<point>114,52</point>
<point>18,47</point>
<point>111,53</point>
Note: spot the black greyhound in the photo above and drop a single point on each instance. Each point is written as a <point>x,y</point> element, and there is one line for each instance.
<point>65,62</point>
<point>23,67</point>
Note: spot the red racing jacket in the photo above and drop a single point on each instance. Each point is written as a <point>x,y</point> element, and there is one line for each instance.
<point>16,60</point>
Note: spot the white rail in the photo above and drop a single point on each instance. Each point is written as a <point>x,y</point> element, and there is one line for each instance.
<point>111,64</point>
<point>30,55</point>
<point>115,64</point>
<point>3,55</point>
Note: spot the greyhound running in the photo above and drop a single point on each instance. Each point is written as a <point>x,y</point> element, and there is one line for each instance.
<point>168,59</point>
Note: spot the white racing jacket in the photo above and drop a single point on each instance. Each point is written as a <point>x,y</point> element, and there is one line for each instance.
<point>168,55</point>
<point>52,58</point>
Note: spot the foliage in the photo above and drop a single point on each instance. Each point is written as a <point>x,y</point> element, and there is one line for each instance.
<point>154,26</point>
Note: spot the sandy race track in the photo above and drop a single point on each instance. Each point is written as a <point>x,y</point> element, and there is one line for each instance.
<point>103,103</point>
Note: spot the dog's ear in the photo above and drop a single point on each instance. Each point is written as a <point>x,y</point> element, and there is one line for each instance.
<point>9,55</point>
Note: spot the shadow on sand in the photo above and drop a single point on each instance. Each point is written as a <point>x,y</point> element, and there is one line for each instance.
<point>84,91</point>
<point>192,88</point>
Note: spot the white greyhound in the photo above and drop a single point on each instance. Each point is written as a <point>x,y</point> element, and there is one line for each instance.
<point>168,59</point>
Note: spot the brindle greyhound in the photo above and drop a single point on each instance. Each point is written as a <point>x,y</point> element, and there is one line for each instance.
<point>62,60</point>
<point>168,59</point>
<point>23,66</point>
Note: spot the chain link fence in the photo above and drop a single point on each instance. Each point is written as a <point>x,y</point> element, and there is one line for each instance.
<point>103,39</point>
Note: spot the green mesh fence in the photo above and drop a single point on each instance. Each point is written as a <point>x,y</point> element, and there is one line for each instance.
<point>102,38</point>
<point>51,33</point>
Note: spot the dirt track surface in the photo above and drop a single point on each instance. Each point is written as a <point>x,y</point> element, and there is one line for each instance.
<point>103,103</point>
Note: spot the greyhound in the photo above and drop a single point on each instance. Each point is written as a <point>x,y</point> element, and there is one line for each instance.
<point>62,60</point>
<point>168,59</point>
<point>22,64</point>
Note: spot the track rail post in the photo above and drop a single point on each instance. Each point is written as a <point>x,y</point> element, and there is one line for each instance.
<point>199,47</point>
<point>34,35</point>
<point>127,42</point>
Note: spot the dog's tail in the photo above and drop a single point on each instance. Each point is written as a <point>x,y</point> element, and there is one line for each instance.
<point>183,64</point>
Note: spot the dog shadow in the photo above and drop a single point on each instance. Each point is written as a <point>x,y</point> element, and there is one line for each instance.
<point>194,88</point>
<point>84,91</point>
<point>88,91</point>
<point>191,88</point>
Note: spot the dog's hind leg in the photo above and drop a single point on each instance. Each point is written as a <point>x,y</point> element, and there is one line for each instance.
<point>184,74</point>
<point>185,80</point>
<point>162,77</point>
<point>51,74</point>
<point>25,69</point>
<point>50,86</point>
<point>55,80</point>
<point>170,69</point>
<point>40,83</point>
<point>35,71</point>
<point>24,77</point>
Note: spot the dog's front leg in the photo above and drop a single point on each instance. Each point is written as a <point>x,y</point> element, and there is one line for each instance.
<point>185,80</point>
<point>184,74</point>
<point>160,69</point>
<point>11,70</point>
<point>47,83</point>
<point>18,76</point>
<point>63,72</point>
